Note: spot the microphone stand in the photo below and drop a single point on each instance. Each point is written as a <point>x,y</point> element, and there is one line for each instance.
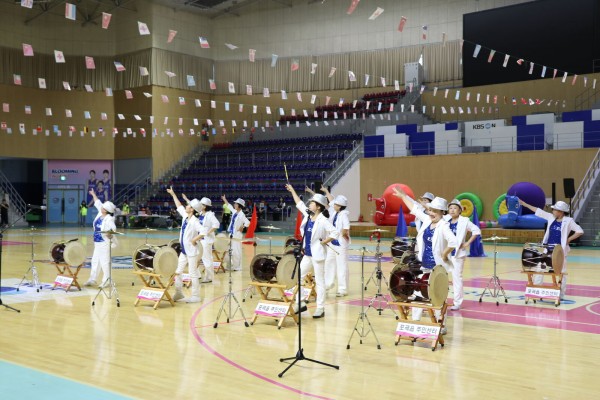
<point>1,245</point>
<point>300,352</point>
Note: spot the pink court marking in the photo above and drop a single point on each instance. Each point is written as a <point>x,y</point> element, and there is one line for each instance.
<point>238,366</point>
<point>13,243</point>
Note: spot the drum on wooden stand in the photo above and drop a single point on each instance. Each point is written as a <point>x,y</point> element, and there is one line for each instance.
<point>290,244</point>
<point>537,257</point>
<point>268,268</point>
<point>430,287</point>
<point>175,245</point>
<point>161,260</point>
<point>71,253</point>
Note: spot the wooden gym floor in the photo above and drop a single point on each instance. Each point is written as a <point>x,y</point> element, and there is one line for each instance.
<point>61,346</point>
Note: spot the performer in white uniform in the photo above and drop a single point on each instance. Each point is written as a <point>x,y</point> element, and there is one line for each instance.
<point>459,225</point>
<point>557,232</point>
<point>316,231</point>
<point>435,239</point>
<point>190,228</point>
<point>422,204</point>
<point>235,231</point>
<point>209,224</point>
<point>336,264</point>
<point>103,222</point>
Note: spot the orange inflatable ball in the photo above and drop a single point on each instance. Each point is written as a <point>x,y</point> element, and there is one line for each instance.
<point>388,206</point>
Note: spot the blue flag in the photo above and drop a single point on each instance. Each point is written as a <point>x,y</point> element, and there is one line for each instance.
<point>476,248</point>
<point>401,228</point>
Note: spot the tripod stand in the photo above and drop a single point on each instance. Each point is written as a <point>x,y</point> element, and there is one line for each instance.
<point>109,283</point>
<point>377,277</point>
<point>230,295</point>
<point>35,280</point>
<point>2,304</point>
<point>497,287</point>
<point>300,353</point>
<point>363,315</point>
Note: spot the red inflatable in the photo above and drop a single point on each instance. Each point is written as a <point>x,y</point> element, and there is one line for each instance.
<point>388,207</point>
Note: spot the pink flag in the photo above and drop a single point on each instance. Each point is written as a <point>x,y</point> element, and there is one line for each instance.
<point>171,36</point>
<point>352,7</point>
<point>119,67</point>
<point>70,11</point>
<point>295,64</point>
<point>401,24</point>
<point>17,79</point>
<point>128,94</point>
<point>251,54</point>
<point>165,98</point>
<point>424,32</point>
<point>212,84</point>
<point>89,63</point>
<point>376,13</point>
<point>574,79</point>
<point>27,3</point>
<point>5,107</point>
<point>106,20</point>
<point>491,56</point>
<point>27,50</point>
<point>204,43</point>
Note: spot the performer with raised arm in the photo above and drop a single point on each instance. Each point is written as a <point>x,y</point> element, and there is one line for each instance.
<point>235,230</point>
<point>422,203</point>
<point>558,231</point>
<point>459,225</point>
<point>190,228</point>
<point>435,240</point>
<point>209,224</point>
<point>336,262</point>
<point>317,232</point>
<point>103,222</point>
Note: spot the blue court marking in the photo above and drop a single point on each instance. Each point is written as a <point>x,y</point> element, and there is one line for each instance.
<point>21,382</point>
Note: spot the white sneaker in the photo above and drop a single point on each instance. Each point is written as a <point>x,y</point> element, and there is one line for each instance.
<point>237,269</point>
<point>341,294</point>
<point>319,313</point>
<point>193,299</point>
<point>455,308</point>
<point>91,282</point>
<point>302,307</point>
<point>178,296</point>
<point>444,330</point>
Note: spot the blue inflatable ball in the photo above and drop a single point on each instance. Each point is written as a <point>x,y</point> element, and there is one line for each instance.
<point>530,193</point>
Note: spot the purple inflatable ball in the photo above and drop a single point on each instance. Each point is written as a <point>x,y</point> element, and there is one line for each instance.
<point>530,193</point>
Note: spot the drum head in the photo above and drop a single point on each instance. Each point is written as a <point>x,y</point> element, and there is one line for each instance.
<point>263,268</point>
<point>74,254</point>
<point>175,245</point>
<point>143,258</point>
<point>56,252</point>
<point>221,244</point>
<point>558,257</point>
<point>401,283</point>
<point>438,285</point>
<point>165,261</point>
<point>285,267</point>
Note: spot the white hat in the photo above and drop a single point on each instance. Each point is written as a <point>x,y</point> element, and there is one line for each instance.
<point>341,200</point>
<point>561,206</point>
<point>456,202</point>
<point>429,196</point>
<point>109,207</point>
<point>195,204</point>
<point>320,199</point>
<point>241,202</point>
<point>206,201</point>
<point>438,203</point>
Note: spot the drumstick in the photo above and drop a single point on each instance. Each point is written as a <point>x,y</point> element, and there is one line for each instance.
<point>286,174</point>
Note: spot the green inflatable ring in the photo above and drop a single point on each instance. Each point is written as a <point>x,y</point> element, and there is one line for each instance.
<point>500,206</point>
<point>469,202</point>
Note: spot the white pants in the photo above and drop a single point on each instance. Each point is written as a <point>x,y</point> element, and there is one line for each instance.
<point>539,279</point>
<point>457,280</point>
<point>100,258</point>
<point>309,264</point>
<point>336,265</point>
<point>192,263</point>
<point>207,260</point>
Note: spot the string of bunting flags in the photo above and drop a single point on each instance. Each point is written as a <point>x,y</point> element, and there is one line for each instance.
<point>70,13</point>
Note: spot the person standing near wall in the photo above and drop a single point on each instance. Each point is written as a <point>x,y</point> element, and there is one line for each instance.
<point>4,212</point>
<point>83,209</point>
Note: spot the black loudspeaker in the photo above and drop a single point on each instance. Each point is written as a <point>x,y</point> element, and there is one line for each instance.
<point>569,185</point>
<point>553,192</point>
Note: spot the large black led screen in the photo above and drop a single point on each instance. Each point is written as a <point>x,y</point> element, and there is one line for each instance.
<point>560,34</point>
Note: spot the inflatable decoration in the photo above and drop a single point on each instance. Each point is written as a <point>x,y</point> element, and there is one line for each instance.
<point>388,206</point>
<point>469,202</point>
<point>518,217</point>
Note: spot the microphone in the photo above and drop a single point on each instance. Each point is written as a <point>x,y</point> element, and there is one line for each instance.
<point>31,206</point>
<point>310,213</point>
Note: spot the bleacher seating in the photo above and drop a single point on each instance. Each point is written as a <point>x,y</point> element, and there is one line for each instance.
<point>254,170</point>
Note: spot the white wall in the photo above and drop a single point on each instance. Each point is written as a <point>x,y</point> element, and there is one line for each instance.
<point>568,135</point>
<point>349,186</point>
<point>503,138</point>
